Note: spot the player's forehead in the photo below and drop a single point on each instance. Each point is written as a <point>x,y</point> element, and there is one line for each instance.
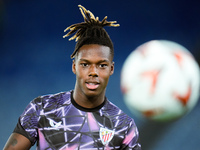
<point>94,52</point>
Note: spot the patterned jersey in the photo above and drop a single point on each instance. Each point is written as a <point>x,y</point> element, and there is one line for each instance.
<point>57,122</point>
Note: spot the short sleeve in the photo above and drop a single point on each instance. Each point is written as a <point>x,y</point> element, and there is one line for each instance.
<point>131,140</point>
<point>28,121</point>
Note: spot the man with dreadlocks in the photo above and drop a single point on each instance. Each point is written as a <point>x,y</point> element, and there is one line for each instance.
<point>83,118</point>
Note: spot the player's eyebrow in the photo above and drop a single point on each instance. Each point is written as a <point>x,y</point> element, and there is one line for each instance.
<point>100,61</point>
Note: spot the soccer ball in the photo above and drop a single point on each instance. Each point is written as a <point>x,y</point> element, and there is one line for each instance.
<point>160,81</point>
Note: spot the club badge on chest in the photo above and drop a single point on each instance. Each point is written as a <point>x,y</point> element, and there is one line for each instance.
<point>106,135</point>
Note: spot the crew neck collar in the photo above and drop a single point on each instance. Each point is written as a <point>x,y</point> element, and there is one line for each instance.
<point>86,109</point>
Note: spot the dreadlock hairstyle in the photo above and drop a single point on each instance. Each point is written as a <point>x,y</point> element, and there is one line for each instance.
<point>90,32</point>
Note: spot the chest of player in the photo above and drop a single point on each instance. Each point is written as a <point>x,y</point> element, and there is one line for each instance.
<point>72,128</point>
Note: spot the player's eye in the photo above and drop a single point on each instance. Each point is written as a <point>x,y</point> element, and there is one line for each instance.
<point>84,64</point>
<point>103,65</point>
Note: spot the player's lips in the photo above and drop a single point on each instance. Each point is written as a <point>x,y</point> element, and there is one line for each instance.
<point>92,85</point>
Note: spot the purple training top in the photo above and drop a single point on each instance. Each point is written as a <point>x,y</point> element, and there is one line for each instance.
<point>57,122</point>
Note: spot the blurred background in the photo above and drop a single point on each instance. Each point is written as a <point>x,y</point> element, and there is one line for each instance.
<point>35,59</point>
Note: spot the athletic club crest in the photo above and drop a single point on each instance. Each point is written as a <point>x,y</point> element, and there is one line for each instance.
<point>106,135</point>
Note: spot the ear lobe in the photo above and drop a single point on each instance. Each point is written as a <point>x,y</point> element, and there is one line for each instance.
<point>74,67</point>
<point>112,68</point>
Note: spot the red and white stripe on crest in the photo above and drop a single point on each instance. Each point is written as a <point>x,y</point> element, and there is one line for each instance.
<point>106,137</point>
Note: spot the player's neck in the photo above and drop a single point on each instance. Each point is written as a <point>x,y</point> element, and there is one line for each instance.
<point>86,101</point>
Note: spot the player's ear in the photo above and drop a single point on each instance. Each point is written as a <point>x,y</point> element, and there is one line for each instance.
<point>112,68</point>
<point>74,67</point>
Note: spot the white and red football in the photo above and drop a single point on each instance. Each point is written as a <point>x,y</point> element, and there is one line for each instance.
<point>160,80</point>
